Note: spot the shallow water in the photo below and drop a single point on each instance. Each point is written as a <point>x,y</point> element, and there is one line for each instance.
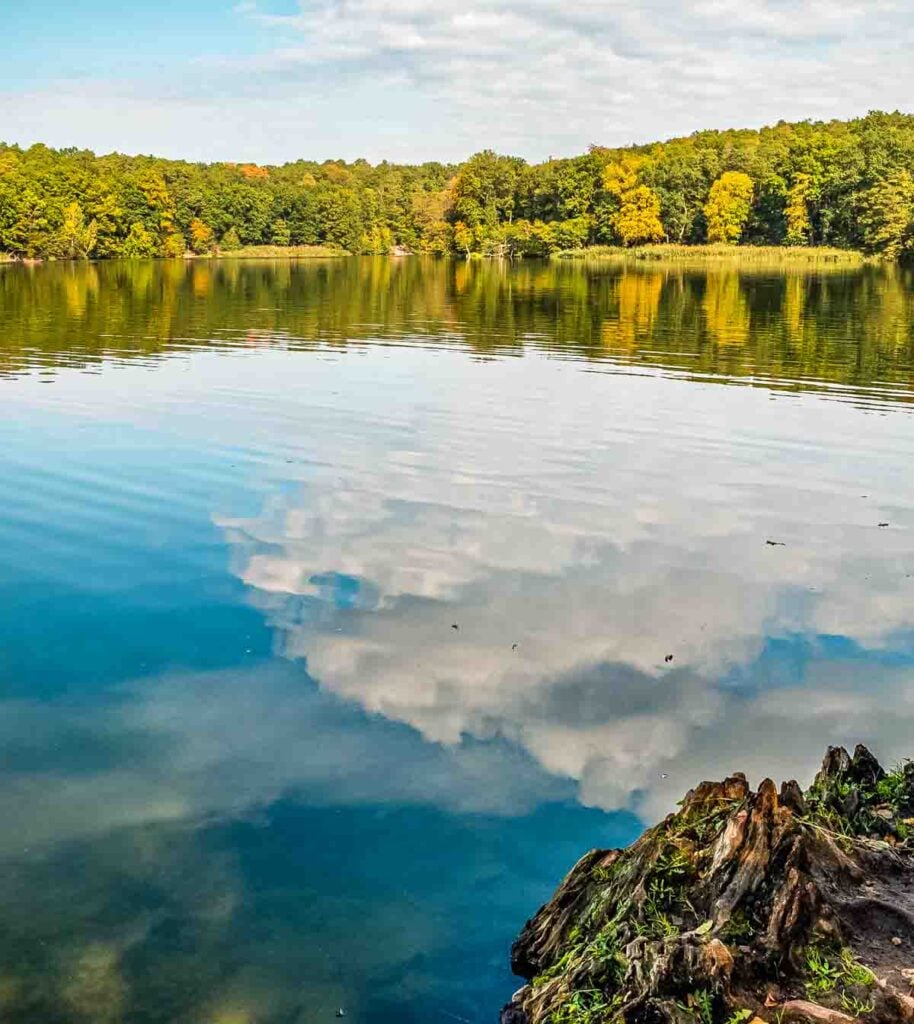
<point>251,771</point>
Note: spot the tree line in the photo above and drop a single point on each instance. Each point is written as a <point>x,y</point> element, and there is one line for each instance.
<point>848,184</point>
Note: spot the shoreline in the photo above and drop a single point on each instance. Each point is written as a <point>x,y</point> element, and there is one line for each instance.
<point>758,254</point>
<point>262,252</point>
<point>250,252</point>
<point>754,255</point>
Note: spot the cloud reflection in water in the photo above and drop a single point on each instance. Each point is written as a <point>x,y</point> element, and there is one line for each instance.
<point>599,550</point>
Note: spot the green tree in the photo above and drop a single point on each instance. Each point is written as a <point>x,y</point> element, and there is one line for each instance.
<point>230,241</point>
<point>140,243</point>
<point>834,183</point>
<point>341,219</point>
<point>485,189</point>
<point>280,233</point>
<point>887,216</point>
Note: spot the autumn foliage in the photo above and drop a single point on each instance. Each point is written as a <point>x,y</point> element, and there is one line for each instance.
<point>845,184</point>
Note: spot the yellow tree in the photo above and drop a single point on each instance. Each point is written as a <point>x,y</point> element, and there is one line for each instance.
<point>637,219</point>
<point>174,246</point>
<point>728,206</point>
<point>796,210</point>
<point>158,199</point>
<point>463,237</point>
<point>621,176</point>
<point>77,239</point>
<point>201,236</point>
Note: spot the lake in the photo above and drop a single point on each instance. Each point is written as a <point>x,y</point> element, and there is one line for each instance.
<point>345,604</point>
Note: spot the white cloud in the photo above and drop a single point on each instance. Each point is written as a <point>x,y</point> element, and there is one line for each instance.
<point>552,74</point>
<point>598,550</point>
<point>600,520</point>
<point>440,78</point>
<point>227,743</point>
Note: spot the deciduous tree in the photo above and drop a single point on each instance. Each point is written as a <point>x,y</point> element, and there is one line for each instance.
<point>728,206</point>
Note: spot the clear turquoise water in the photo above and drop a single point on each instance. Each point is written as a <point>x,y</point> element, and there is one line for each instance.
<point>250,771</point>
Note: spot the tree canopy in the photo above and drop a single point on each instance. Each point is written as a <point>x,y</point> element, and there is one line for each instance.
<point>840,183</point>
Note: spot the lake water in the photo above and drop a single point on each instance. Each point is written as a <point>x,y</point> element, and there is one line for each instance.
<point>344,605</point>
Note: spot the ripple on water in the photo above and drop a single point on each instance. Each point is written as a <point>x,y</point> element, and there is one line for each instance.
<point>251,768</point>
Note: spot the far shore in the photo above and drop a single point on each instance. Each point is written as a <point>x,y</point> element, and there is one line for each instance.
<point>761,254</point>
<point>754,255</point>
<point>260,252</point>
<point>247,252</point>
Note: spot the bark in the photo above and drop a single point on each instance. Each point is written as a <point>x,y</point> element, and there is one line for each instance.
<point>774,905</point>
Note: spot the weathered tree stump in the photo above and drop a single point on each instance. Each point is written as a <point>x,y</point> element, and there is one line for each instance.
<point>776,905</point>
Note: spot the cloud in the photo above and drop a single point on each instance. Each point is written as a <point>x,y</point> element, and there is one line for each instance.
<point>587,693</point>
<point>599,520</point>
<point>598,550</point>
<point>605,71</point>
<point>197,746</point>
<point>440,78</point>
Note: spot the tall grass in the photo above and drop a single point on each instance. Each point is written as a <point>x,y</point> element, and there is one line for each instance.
<point>754,254</point>
<point>298,252</point>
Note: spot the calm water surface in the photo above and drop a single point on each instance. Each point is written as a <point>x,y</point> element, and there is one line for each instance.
<point>251,771</point>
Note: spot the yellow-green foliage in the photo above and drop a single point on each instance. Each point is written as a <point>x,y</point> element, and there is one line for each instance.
<point>202,238</point>
<point>300,252</point>
<point>796,212</point>
<point>638,218</point>
<point>77,239</point>
<point>728,206</point>
<point>887,214</point>
<point>843,184</point>
<point>759,255</point>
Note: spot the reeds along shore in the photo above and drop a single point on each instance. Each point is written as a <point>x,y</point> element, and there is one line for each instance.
<point>774,255</point>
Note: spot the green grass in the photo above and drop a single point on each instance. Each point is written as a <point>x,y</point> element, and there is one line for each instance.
<point>893,789</point>
<point>744,254</point>
<point>837,972</point>
<point>298,252</point>
<point>699,1005</point>
<point>739,927</point>
<point>739,1016</point>
<point>586,1006</point>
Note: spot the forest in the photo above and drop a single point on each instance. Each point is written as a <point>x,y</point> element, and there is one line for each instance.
<point>846,184</point>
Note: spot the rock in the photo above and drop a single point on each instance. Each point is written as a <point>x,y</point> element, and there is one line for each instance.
<point>730,907</point>
<point>865,769</point>
<point>512,1014</point>
<point>896,940</point>
<point>792,797</point>
<point>801,1009</point>
<point>902,1005</point>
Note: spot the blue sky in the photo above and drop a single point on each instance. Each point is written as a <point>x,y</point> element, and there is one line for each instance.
<point>272,80</point>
